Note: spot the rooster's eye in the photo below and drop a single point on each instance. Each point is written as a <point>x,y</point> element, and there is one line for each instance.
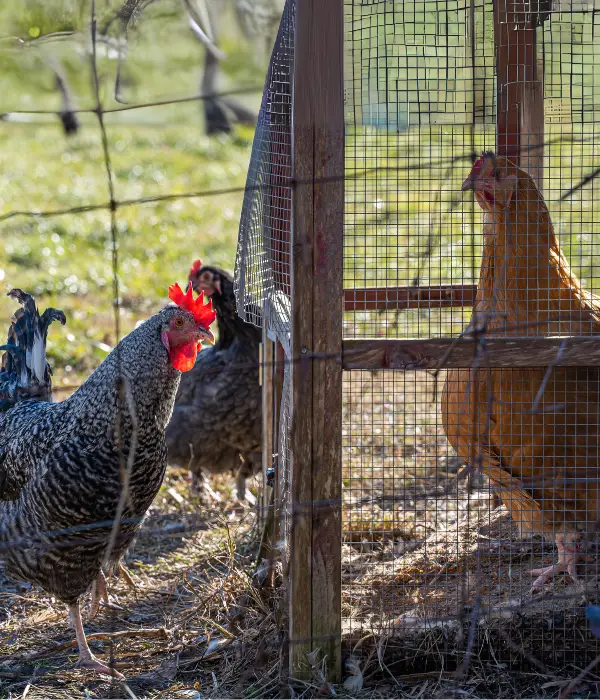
<point>179,322</point>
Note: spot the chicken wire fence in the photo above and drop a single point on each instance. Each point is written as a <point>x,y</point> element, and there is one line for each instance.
<point>458,474</point>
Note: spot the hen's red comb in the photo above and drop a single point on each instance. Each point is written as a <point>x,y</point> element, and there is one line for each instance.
<point>203,313</point>
<point>477,166</point>
<point>196,266</point>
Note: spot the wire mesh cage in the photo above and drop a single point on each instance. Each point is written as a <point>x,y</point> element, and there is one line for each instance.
<point>263,259</point>
<point>469,415</point>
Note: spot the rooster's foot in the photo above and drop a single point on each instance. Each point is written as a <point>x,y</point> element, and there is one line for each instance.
<point>91,663</point>
<point>569,554</point>
<point>86,658</point>
<point>100,595</point>
<point>124,572</point>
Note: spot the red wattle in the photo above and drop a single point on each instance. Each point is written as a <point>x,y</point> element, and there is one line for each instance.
<point>183,357</point>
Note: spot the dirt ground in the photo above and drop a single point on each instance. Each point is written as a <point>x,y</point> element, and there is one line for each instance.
<point>436,590</point>
<point>415,612</point>
<point>195,626</point>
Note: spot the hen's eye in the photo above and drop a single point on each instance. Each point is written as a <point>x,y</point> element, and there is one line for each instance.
<point>179,322</point>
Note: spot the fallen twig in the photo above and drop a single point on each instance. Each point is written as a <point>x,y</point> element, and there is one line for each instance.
<point>565,692</point>
<point>160,632</point>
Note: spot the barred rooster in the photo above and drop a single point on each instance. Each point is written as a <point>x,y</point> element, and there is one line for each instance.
<point>217,419</point>
<point>69,471</point>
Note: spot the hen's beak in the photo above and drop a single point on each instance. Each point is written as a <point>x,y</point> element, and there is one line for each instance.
<point>206,335</point>
<point>468,184</point>
<point>208,289</point>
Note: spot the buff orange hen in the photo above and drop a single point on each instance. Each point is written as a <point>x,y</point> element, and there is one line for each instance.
<point>536,436</point>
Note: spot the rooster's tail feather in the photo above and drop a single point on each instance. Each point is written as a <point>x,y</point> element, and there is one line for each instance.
<point>25,372</point>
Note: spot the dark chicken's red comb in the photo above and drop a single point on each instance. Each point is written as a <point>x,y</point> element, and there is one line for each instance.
<point>196,266</point>
<point>203,313</point>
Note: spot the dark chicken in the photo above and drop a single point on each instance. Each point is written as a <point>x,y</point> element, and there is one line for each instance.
<point>217,419</point>
<point>70,470</point>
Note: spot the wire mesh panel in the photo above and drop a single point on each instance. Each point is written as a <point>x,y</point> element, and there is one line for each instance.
<point>458,483</point>
<point>419,100</point>
<point>262,276</point>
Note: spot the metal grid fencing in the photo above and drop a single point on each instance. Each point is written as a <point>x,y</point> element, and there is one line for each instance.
<point>437,554</point>
<point>466,465</point>
<point>262,273</point>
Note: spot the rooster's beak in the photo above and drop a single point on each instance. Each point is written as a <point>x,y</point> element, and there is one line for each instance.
<point>207,336</point>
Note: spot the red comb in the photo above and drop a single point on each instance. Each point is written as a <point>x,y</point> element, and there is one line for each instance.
<point>203,313</point>
<point>477,166</point>
<point>196,265</point>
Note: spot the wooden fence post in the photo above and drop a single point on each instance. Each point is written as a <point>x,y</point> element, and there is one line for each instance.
<point>317,308</point>
<point>520,88</point>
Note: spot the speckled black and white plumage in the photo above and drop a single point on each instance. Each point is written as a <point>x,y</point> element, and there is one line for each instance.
<point>24,372</point>
<point>218,409</point>
<point>56,530</point>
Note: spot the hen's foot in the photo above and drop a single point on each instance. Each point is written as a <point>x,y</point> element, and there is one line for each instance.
<point>202,489</point>
<point>569,555</point>
<point>250,498</point>
<point>243,495</point>
<point>247,498</point>
<point>546,573</point>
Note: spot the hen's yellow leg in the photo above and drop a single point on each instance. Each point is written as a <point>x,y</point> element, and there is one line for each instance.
<point>569,553</point>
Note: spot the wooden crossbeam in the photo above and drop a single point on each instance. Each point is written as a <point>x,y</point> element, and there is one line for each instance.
<point>407,354</point>
<point>392,298</point>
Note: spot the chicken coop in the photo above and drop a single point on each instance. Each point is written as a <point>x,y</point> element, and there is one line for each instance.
<point>419,244</point>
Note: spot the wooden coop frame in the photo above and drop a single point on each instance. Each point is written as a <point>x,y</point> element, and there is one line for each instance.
<point>316,242</point>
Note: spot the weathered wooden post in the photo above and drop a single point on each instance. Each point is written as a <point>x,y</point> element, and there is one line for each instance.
<point>520,86</point>
<point>317,308</point>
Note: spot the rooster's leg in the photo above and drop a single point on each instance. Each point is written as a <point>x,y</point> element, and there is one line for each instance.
<point>100,593</point>
<point>568,555</point>
<point>128,577</point>
<point>86,658</point>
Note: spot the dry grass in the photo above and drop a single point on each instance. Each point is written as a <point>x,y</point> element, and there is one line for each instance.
<point>218,634</point>
<point>435,575</point>
<point>434,581</point>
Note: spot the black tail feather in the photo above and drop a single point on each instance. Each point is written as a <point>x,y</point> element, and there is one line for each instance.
<point>25,372</point>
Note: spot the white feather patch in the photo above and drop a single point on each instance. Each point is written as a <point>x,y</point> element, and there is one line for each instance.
<point>36,358</point>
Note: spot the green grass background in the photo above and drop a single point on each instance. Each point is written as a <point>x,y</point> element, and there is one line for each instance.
<point>66,260</point>
<point>406,220</point>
